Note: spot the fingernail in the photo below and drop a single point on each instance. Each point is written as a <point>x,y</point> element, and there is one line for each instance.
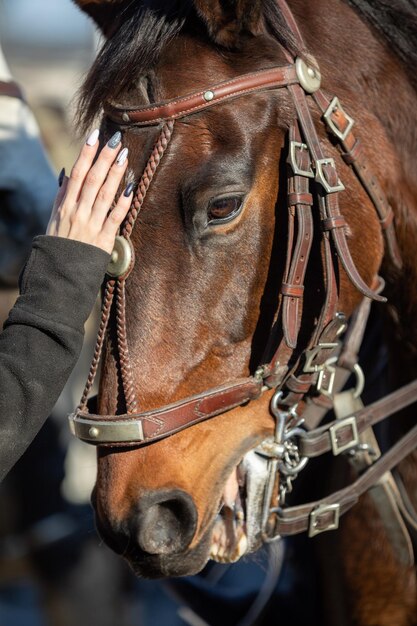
<point>115,140</point>
<point>121,159</point>
<point>61,177</point>
<point>92,139</point>
<point>128,190</point>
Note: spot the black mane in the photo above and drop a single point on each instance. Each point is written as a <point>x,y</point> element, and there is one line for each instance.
<point>144,31</point>
<point>147,27</point>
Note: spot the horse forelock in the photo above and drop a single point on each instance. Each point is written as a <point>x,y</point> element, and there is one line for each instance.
<point>144,31</point>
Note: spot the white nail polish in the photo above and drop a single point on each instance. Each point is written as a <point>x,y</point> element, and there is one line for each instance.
<point>121,159</point>
<point>92,139</point>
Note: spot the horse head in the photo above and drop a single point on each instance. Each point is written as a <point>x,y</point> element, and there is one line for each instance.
<point>203,304</point>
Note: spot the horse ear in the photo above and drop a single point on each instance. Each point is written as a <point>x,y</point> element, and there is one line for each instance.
<point>227,20</point>
<point>104,12</point>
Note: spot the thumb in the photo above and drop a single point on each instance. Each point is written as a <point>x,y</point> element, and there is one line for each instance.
<point>54,219</point>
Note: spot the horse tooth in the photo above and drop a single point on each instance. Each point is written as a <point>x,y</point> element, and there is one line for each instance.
<point>242,545</point>
<point>231,490</point>
<point>214,549</point>
<point>222,545</point>
<point>240,513</point>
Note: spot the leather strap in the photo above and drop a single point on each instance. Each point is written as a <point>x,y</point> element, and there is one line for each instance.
<point>298,252</point>
<point>340,125</point>
<point>330,199</point>
<point>321,440</point>
<point>323,514</point>
<point>271,78</point>
<point>293,288</point>
<point>142,428</point>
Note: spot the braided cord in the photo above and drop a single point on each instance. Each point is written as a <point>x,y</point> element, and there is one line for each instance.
<point>118,285</point>
<point>147,176</point>
<point>104,320</point>
<point>123,350</point>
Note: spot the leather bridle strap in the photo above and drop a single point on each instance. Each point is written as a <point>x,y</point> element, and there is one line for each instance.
<point>340,433</point>
<point>271,78</point>
<point>326,174</point>
<point>300,221</point>
<point>141,428</point>
<point>11,90</point>
<point>324,514</point>
<point>340,124</point>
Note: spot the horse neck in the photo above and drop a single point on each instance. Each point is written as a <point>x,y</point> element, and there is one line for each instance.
<point>364,73</point>
<point>5,73</point>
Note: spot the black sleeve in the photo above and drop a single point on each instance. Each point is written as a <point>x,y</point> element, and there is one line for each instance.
<point>43,336</point>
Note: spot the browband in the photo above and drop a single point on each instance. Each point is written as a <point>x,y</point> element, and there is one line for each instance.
<point>175,108</point>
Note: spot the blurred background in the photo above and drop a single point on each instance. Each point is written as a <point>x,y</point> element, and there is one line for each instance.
<point>49,45</point>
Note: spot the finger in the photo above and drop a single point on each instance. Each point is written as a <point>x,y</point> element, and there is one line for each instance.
<point>98,173</point>
<point>82,165</point>
<point>105,239</point>
<point>106,194</point>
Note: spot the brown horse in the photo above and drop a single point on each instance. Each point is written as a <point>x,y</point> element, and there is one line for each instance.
<point>204,303</point>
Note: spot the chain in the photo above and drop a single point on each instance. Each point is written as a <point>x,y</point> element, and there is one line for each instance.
<point>284,459</point>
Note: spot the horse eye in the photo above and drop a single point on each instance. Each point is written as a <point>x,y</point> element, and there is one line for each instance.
<point>222,210</point>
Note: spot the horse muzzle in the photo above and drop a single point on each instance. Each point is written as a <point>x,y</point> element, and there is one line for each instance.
<point>155,536</point>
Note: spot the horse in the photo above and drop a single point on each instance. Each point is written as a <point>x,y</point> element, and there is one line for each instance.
<point>250,248</point>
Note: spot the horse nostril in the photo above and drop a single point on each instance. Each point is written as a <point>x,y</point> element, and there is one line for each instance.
<point>166,522</point>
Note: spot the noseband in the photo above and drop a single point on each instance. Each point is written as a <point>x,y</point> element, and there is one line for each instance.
<point>301,377</point>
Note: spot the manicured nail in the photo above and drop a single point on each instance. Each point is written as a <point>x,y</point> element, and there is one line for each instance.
<point>92,139</point>
<point>121,159</point>
<point>114,141</point>
<point>128,190</point>
<point>61,177</point>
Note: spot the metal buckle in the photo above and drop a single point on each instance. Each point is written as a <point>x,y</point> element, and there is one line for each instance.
<point>316,514</point>
<point>333,106</point>
<point>334,430</point>
<point>327,375</point>
<point>320,177</point>
<point>292,160</point>
<point>309,366</point>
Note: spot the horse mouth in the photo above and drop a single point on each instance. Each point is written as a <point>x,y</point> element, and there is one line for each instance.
<point>237,529</point>
<point>238,526</point>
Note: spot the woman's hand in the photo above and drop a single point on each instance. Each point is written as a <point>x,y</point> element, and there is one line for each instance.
<point>82,205</point>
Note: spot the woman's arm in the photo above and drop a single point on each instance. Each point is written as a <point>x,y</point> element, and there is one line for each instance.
<point>44,332</point>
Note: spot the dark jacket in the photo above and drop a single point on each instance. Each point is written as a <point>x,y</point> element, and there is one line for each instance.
<point>43,336</point>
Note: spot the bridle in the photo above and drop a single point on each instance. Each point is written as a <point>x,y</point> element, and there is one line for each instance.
<point>303,380</point>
